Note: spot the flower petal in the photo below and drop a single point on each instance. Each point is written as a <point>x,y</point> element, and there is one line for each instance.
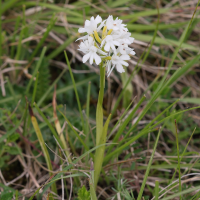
<point>98,19</point>
<point>124,57</point>
<point>124,63</point>
<point>107,46</point>
<point>132,53</point>
<point>100,26</point>
<point>111,71</point>
<point>91,58</point>
<point>120,68</point>
<point>83,38</point>
<point>101,52</point>
<point>86,57</point>
<point>108,65</point>
<point>81,30</point>
<point>116,43</point>
<point>97,59</point>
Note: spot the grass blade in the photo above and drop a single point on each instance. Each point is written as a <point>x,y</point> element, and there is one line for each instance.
<point>76,92</point>
<point>148,168</point>
<point>43,146</point>
<point>99,154</point>
<point>36,70</point>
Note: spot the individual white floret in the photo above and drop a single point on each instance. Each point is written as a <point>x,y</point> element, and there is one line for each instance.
<point>110,43</point>
<point>86,44</point>
<point>118,62</point>
<point>124,37</point>
<point>91,25</point>
<point>124,49</point>
<point>114,24</point>
<point>92,55</point>
<point>90,51</point>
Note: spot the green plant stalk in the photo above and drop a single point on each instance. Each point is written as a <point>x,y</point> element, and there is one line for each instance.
<point>16,195</point>
<point>34,89</point>
<point>59,91</point>
<point>36,70</point>
<point>183,155</point>
<point>50,6</point>
<point>51,88</point>
<point>50,26</point>
<point>76,92</point>
<point>143,57</point>
<point>128,90</point>
<point>148,167</point>
<point>179,168</point>
<point>77,135</point>
<point>124,113</point>
<point>79,83</point>
<point>49,125</point>
<point>145,13</point>
<point>99,112</point>
<point>164,84</point>
<point>143,60</point>
<point>128,81</point>
<point>124,124</point>
<point>161,114</point>
<point>66,169</point>
<point>10,86</point>
<point>7,5</point>
<point>140,134</point>
<point>88,114</point>
<point>99,154</point>
<point>65,184</point>
<point>35,74</point>
<point>0,33</point>
<point>156,190</point>
<point>14,36</point>
<point>92,186</point>
<point>154,37</point>
<point>43,146</point>
<point>62,47</point>
<point>19,46</point>
<point>186,191</point>
<point>62,139</point>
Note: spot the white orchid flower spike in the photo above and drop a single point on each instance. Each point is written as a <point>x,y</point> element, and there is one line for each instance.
<point>106,42</point>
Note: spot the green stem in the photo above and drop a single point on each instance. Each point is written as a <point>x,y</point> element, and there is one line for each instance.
<point>99,112</point>
<point>148,168</point>
<point>179,168</point>
<point>102,82</point>
<point>156,190</point>
<point>92,186</point>
<point>88,115</point>
<point>0,33</point>
<point>99,153</point>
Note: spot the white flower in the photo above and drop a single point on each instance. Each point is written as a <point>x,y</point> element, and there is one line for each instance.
<point>109,47</point>
<point>124,49</point>
<point>91,26</point>
<point>124,37</point>
<point>85,46</point>
<point>114,24</point>
<point>118,62</point>
<point>90,51</point>
<point>92,55</point>
<point>110,42</point>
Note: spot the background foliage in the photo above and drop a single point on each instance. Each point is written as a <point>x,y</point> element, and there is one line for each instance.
<point>33,37</point>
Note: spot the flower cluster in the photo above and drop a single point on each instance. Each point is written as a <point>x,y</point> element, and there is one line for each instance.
<point>111,48</point>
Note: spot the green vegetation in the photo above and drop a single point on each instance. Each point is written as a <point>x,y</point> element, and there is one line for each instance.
<point>66,133</point>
